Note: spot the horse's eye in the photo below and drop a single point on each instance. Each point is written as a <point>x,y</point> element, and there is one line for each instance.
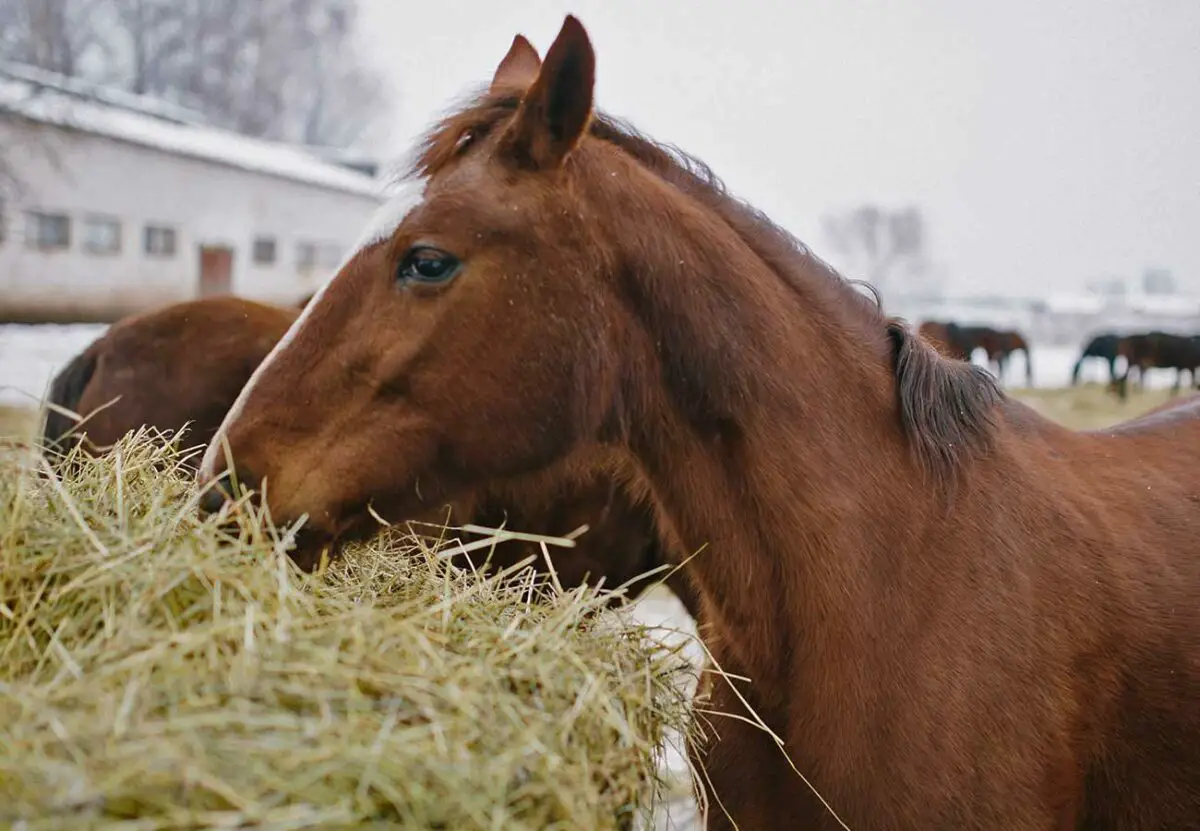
<point>428,266</point>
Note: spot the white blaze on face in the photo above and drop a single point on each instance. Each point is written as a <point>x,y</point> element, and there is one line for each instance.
<point>380,227</point>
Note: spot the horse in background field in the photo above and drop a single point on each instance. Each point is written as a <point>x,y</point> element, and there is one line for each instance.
<point>998,344</point>
<point>950,611</point>
<point>944,337</point>
<point>1103,346</point>
<point>1158,350</point>
<point>185,364</point>
<point>960,342</point>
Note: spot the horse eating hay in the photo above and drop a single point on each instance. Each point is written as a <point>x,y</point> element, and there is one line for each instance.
<point>184,364</point>
<point>952,612</point>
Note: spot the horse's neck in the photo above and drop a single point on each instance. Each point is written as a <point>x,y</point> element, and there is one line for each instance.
<point>794,494</point>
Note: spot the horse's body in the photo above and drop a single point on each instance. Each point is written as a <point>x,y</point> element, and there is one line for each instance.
<point>953,612</point>
<point>1002,344</point>
<point>1158,350</point>
<point>998,344</point>
<point>185,364</point>
<point>1102,346</point>
<point>960,342</point>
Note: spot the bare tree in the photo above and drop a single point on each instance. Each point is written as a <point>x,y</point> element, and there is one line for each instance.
<point>887,248</point>
<point>23,137</point>
<point>57,35</point>
<point>280,69</point>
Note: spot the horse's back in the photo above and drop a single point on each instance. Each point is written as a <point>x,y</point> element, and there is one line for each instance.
<point>1120,607</point>
<point>183,363</point>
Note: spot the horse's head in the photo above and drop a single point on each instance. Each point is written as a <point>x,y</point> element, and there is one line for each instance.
<point>464,341</point>
<point>555,283</point>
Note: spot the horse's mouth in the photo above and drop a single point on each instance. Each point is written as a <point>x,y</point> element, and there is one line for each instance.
<point>314,543</point>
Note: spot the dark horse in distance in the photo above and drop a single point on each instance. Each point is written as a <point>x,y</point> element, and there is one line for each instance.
<point>960,342</point>
<point>1158,350</point>
<point>1104,347</point>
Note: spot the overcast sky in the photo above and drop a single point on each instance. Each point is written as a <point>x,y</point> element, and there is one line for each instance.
<point>1049,141</point>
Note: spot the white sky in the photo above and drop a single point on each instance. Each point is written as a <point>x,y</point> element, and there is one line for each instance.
<point>1049,141</point>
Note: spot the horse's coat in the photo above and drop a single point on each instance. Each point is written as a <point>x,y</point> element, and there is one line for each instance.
<point>954,613</point>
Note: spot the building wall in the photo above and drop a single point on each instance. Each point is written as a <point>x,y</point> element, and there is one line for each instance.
<point>206,202</point>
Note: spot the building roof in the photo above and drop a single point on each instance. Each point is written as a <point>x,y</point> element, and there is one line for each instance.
<point>49,98</point>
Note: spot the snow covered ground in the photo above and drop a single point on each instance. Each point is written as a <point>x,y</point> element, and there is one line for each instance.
<point>30,355</point>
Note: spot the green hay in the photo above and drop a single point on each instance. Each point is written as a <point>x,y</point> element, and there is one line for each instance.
<point>157,671</point>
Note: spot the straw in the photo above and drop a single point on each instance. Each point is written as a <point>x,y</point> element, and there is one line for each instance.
<point>159,670</point>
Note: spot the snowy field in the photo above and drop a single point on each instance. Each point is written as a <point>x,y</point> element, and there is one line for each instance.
<point>30,355</point>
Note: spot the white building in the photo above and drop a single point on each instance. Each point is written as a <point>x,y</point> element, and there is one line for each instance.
<point>114,203</point>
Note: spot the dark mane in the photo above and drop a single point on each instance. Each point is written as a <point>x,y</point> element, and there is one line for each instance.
<point>946,407</point>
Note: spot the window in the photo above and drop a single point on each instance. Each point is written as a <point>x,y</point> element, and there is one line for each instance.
<point>306,255</point>
<point>47,231</point>
<point>102,235</point>
<point>264,250</point>
<point>160,241</point>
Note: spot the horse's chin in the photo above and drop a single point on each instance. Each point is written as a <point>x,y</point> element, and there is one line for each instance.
<point>312,543</point>
<point>310,546</point>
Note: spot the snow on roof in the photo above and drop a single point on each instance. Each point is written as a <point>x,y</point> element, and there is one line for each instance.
<point>51,99</point>
<point>80,88</point>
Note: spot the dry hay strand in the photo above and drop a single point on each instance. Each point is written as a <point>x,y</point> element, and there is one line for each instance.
<point>159,670</point>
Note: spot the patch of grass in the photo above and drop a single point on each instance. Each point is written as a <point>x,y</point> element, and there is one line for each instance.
<point>17,423</point>
<point>1091,406</point>
<point>163,671</point>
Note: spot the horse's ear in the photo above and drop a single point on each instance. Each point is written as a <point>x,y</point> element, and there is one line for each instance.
<point>556,110</point>
<point>519,68</point>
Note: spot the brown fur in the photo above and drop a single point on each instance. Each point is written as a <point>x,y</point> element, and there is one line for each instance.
<point>182,363</point>
<point>1027,659</point>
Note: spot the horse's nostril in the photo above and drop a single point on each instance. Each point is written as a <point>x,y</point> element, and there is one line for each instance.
<point>218,493</point>
<point>213,499</point>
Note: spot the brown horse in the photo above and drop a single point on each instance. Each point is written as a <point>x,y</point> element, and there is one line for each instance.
<point>944,337</point>
<point>1000,343</point>
<point>953,613</point>
<point>185,365</point>
<point>960,342</point>
<point>1159,350</point>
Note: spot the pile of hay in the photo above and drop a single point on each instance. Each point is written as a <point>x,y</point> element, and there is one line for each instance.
<point>156,668</point>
